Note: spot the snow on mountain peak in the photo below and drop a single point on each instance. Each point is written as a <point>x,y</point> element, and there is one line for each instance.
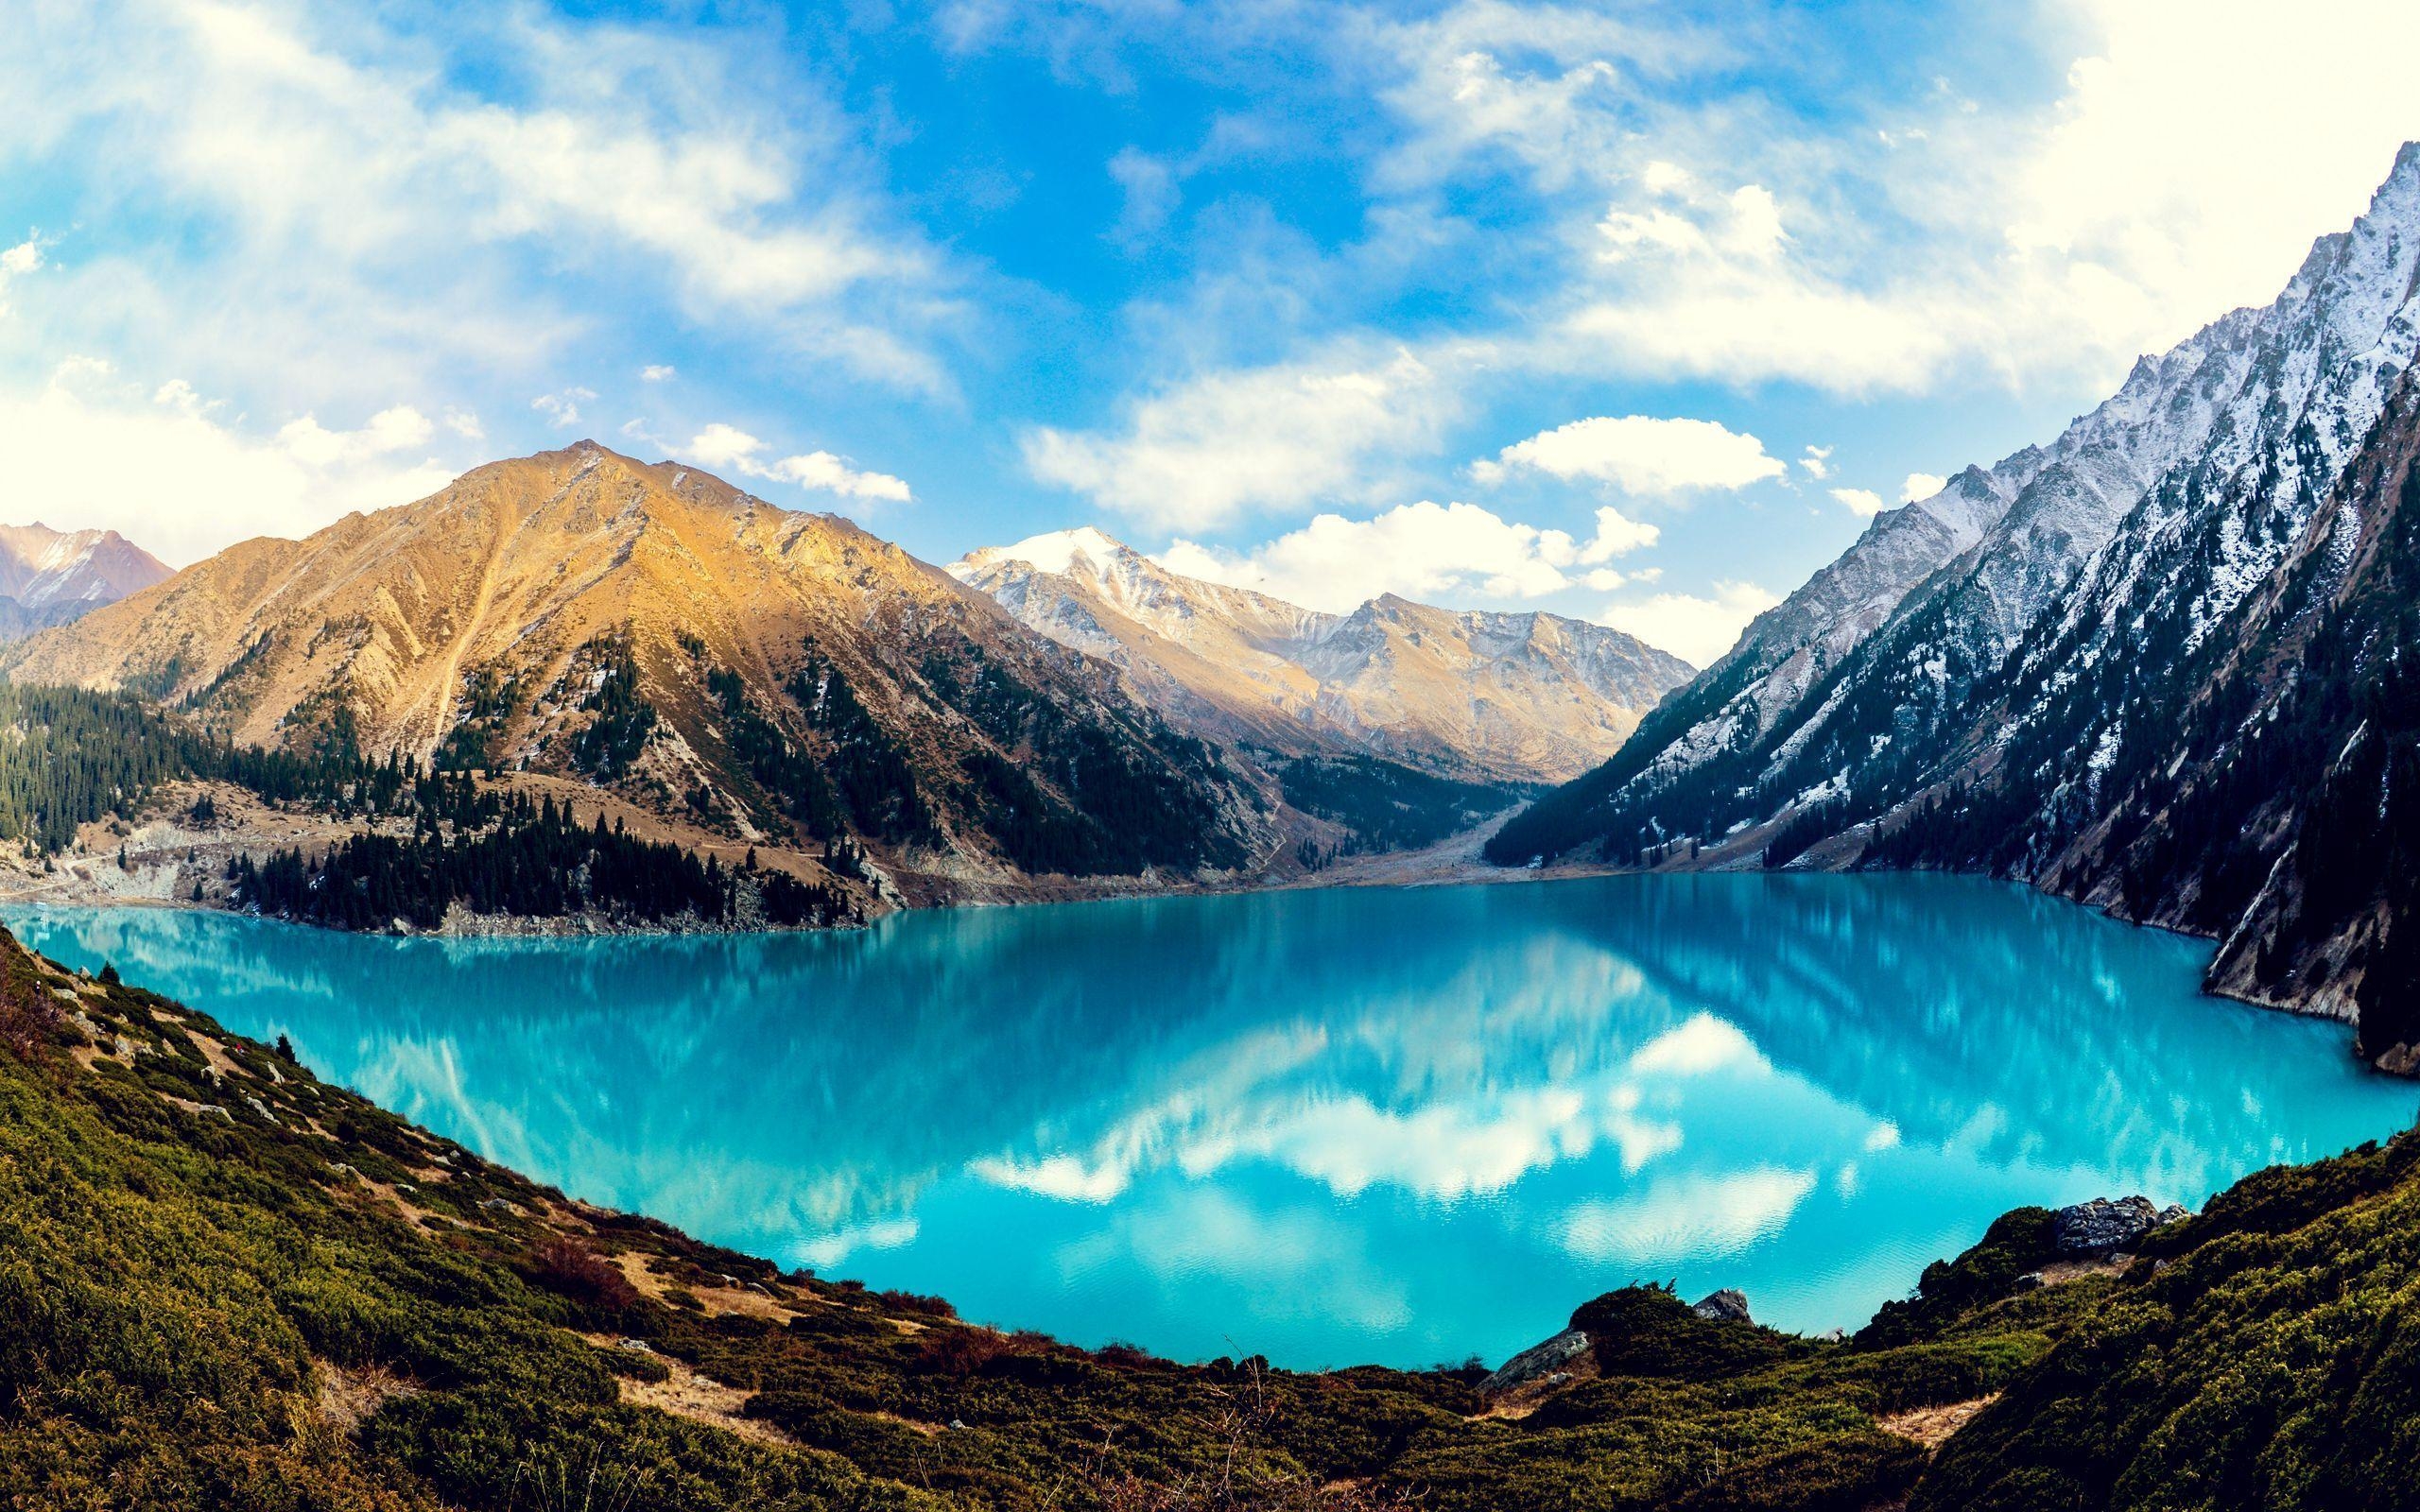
<point>1058,551</point>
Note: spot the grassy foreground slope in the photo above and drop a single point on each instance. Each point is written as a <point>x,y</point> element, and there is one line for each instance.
<point>225,1284</point>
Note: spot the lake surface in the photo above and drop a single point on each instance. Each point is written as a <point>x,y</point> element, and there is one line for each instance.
<point>1330,1127</point>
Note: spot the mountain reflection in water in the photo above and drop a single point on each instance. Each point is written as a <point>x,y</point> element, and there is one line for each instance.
<point>1399,1125</point>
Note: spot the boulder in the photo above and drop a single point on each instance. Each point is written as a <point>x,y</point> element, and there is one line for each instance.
<point>2102,1227</point>
<point>1539,1361</point>
<point>1725,1306</point>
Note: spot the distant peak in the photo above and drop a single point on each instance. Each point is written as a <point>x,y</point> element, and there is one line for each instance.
<point>1056,551</point>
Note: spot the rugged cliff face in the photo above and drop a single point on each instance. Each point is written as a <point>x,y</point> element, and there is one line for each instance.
<point>655,631</point>
<point>1506,698</point>
<point>2098,692</point>
<point>50,577</point>
<point>2250,776</point>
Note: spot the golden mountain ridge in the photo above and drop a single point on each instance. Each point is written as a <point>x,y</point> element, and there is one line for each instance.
<point>653,630</point>
<point>1515,698</point>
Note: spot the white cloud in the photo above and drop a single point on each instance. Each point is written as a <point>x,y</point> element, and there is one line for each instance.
<point>1861,501</point>
<point>1699,1044</point>
<point>655,372</point>
<point>1551,90</point>
<point>727,446</point>
<point>399,429</point>
<point>832,474</point>
<point>2188,223</point>
<point>1617,535</point>
<point>1205,453</point>
<point>1697,629</point>
<point>1817,460</point>
<point>330,208</point>
<point>1424,551</point>
<point>1920,486</point>
<point>1639,454</point>
<point>563,409</point>
<point>1687,1216</point>
<point>156,463</point>
<point>1714,285</point>
<point>830,1250</point>
<point>1739,241</point>
<point>15,263</point>
<point>720,445</point>
<point>1064,1177</point>
<point>1150,190</point>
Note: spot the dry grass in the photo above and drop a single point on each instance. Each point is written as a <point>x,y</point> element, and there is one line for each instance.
<point>1932,1426</point>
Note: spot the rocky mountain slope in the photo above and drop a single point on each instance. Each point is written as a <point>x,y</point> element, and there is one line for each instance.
<point>1509,698</point>
<point>653,632</point>
<point>2139,668</point>
<point>50,577</point>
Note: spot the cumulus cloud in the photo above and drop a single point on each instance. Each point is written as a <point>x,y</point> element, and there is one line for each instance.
<point>655,372</point>
<point>1205,453</point>
<point>330,207</point>
<point>1698,1045</point>
<point>1698,629</point>
<point>1864,502</point>
<point>1638,454</point>
<point>563,409</point>
<point>399,429</point>
<point>1692,1215</point>
<point>727,446</point>
<point>15,263</point>
<point>158,463</point>
<point>1920,486</point>
<point>1817,460</point>
<point>1433,552</point>
<point>1736,240</point>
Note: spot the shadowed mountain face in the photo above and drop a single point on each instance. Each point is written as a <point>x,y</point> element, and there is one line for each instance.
<point>653,630</point>
<point>1505,697</point>
<point>50,577</point>
<point>2158,665</point>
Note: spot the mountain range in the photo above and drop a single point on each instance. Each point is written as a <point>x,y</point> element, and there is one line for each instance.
<point>2157,664</point>
<point>50,577</point>
<point>651,631</point>
<point>580,621</point>
<point>1495,696</point>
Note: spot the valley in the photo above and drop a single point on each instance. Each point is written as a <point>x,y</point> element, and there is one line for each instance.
<point>1340,756</point>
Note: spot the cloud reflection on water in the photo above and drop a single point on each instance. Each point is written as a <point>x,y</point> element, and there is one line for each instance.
<point>1357,1124</point>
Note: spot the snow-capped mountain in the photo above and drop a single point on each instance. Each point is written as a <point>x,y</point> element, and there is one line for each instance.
<point>2002,676</point>
<point>49,576</point>
<point>1524,696</point>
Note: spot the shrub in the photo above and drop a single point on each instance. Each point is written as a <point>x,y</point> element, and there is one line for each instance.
<point>569,1268</point>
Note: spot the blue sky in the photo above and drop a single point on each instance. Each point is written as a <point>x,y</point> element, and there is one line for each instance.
<point>1635,312</point>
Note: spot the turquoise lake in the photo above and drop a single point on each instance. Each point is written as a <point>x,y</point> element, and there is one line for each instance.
<point>1329,1126</point>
